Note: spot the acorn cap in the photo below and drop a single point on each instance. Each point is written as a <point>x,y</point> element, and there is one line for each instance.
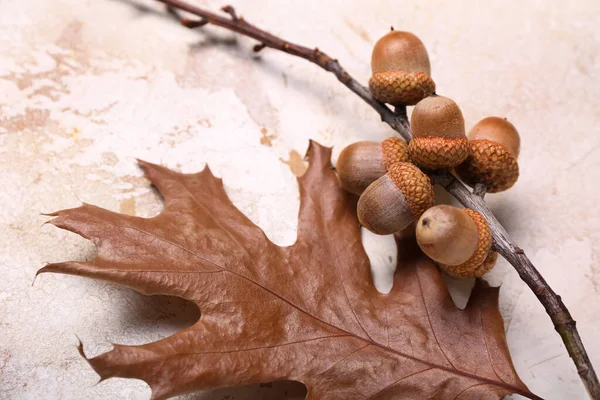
<point>484,245</point>
<point>361,163</point>
<point>497,130</point>
<point>491,164</point>
<point>483,268</point>
<point>447,234</point>
<point>438,129</point>
<point>395,200</point>
<point>415,185</point>
<point>401,88</point>
<point>436,153</point>
<point>400,51</point>
<point>394,150</point>
<point>495,146</point>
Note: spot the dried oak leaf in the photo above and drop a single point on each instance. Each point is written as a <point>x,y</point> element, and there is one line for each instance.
<point>307,312</point>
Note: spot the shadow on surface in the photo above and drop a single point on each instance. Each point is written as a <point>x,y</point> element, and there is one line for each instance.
<point>281,390</point>
<point>145,319</point>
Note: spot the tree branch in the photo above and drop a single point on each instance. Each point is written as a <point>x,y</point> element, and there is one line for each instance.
<point>397,119</point>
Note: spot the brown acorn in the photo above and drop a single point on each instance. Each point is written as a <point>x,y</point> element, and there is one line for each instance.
<point>459,240</point>
<point>495,146</point>
<point>395,200</point>
<point>401,69</point>
<point>361,163</point>
<point>438,129</point>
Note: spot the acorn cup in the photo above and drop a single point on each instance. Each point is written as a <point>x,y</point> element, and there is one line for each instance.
<point>438,130</point>
<point>458,240</point>
<point>361,163</point>
<point>494,143</point>
<point>401,69</point>
<point>395,200</point>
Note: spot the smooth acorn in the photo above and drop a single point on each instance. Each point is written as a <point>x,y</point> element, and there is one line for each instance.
<point>395,200</point>
<point>438,129</point>
<point>459,240</point>
<point>495,146</point>
<point>401,69</point>
<point>361,163</point>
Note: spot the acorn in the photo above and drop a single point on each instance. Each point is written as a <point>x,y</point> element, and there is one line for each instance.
<point>495,145</point>
<point>401,69</point>
<point>438,129</point>
<point>459,240</point>
<point>361,163</point>
<point>395,200</point>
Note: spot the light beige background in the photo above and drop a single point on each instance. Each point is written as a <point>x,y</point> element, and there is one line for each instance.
<point>86,86</point>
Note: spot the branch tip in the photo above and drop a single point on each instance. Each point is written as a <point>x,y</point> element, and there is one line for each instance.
<point>188,23</point>
<point>231,11</point>
<point>258,47</point>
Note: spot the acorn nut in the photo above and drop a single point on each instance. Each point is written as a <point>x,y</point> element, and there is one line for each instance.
<point>361,163</point>
<point>459,240</point>
<point>395,200</point>
<point>401,69</point>
<point>495,145</point>
<point>438,129</point>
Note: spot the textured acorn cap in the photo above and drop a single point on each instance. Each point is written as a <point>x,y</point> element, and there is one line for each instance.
<point>436,153</point>
<point>401,88</point>
<point>394,150</point>
<point>482,251</point>
<point>491,164</point>
<point>395,200</point>
<point>415,185</point>
<point>483,268</point>
<point>447,234</point>
<point>361,163</point>
<point>497,130</point>
<point>400,51</point>
<point>438,129</point>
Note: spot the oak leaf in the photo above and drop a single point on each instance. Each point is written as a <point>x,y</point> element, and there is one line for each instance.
<point>308,312</point>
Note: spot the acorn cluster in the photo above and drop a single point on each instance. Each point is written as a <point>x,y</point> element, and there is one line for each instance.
<point>395,192</point>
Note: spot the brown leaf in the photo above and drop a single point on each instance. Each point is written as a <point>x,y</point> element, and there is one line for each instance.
<point>307,312</point>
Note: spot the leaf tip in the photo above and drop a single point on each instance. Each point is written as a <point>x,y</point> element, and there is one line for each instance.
<point>318,154</point>
<point>206,170</point>
<point>42,270</point>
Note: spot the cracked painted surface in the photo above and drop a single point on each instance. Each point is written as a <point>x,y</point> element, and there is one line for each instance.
<point>86,87</point>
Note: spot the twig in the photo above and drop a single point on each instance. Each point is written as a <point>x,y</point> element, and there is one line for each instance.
<point>397,119</point>
<point>479,190</point>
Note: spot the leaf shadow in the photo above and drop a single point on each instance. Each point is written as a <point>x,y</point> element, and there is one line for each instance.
<point>289,390</point>
<point>146,319</point>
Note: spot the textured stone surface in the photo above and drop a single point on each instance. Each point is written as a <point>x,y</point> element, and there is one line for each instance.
<point>85,87</point>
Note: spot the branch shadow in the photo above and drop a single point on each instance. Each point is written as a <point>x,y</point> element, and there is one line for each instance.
<point>231,46</point>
